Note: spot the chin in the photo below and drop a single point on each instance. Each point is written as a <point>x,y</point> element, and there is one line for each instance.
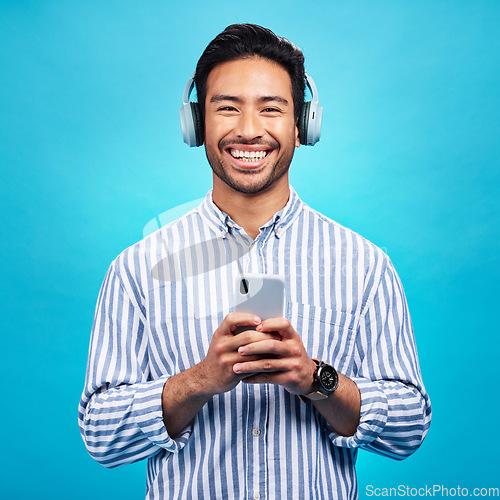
<point>254,186</point>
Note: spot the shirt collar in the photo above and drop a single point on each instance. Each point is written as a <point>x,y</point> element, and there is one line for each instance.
<point>223,223</point>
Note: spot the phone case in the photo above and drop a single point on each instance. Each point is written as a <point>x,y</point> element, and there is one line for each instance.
<point>259,294</point>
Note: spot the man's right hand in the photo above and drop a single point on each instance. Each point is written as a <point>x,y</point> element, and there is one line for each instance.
<point>222,355</point>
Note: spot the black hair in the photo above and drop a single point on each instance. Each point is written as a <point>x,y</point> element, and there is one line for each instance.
<point>239,41</point>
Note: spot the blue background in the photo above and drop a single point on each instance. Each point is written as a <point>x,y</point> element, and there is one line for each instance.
<point>91,149</point>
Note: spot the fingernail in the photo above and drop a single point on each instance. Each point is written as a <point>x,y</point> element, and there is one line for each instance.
<point>259,327</point>
<point>256,319</point>
<point>236,368</point>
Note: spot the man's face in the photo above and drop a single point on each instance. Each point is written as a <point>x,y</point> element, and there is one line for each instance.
<point>250,130</point>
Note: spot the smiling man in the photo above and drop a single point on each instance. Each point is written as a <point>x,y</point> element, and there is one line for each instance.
<point>278,411</point>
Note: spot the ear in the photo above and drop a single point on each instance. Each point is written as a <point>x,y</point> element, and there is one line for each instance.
<point>297,138</point>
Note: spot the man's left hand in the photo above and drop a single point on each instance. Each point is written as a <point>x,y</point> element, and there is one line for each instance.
<point>288,364</point>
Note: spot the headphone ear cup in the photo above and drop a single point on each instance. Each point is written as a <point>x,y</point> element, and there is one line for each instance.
<point>310,123</point>
<point>191,119</point>
<point>187,124</point>
<point>304,122</point>
<point>197,123</point>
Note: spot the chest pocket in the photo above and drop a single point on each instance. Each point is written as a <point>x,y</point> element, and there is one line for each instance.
<point>327,334</point>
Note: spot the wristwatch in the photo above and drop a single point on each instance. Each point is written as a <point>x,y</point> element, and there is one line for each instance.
<point>325,381</point>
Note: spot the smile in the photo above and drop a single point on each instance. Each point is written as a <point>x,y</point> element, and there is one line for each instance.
<point>248,156</point>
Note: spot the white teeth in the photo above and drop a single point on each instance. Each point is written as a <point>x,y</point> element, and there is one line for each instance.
<point>248,155</point>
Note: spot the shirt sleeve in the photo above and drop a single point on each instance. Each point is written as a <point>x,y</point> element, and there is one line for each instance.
<point>120,412</point>
<point>395,408</point>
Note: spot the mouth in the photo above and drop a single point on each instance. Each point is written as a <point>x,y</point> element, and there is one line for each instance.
<point>248,156</point>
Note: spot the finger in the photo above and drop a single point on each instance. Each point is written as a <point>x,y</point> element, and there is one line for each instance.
<point>232,343</point>
<point>280,325</point>
<point>234,320</point>
<point>253,337</point>
<point>266,365</point>
<point>268,346</point>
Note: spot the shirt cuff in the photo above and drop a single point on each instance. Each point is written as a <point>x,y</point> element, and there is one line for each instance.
<point>148,413</point>
<point>373,416</point>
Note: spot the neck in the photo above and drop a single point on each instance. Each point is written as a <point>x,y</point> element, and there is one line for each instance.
<point>251,211</point>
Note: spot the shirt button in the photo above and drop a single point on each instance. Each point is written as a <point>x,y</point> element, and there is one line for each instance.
<point>256,432</point>
<point>279,231</point>
<point>256,496</point>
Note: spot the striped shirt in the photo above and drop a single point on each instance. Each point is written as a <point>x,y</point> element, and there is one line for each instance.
<point>158,307</point>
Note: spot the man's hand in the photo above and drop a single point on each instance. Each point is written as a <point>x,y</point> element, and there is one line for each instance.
<point>185,393</point>
<point>283,362</point>
<point>225,351</point>
<point>286,363</point>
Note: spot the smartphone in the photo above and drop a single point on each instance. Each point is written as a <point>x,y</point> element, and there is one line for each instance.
<point>259,294</point>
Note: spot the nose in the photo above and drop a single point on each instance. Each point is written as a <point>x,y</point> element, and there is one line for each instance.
<point>249,125</point>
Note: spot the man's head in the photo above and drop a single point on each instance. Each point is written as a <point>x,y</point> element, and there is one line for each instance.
<point>250,86</point>
<point>240,41</point>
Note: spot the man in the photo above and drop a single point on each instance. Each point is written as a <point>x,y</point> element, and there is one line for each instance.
<point>220,415</point>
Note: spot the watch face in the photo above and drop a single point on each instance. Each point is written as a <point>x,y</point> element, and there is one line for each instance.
<point>328,378</point>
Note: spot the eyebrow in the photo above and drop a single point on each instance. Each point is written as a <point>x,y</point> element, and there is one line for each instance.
<point>232,98</point>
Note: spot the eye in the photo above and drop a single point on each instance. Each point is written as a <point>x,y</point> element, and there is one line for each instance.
<point>226,108</point>
<point>271,110</point>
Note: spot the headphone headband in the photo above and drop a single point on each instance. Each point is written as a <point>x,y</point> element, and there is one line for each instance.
<point>309,122</point>
<point>187,90</point>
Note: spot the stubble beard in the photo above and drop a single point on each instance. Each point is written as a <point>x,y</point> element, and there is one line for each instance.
<point>279,169</point>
